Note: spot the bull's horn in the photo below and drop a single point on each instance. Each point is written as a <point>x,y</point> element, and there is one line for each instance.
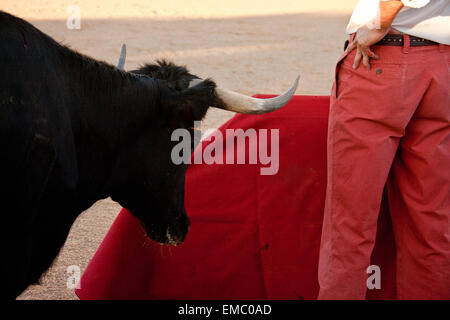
<point>233,101</point>
<point>123,55</point>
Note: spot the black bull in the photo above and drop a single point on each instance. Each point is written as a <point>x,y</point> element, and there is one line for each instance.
<point>74,130</point>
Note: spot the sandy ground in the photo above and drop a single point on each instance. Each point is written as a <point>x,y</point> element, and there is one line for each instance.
<point>252,46</point>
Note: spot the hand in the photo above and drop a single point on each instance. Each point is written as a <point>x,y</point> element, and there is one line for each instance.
<point>365,38</point>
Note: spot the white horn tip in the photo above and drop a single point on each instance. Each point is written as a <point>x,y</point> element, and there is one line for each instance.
<point>293,89</point>
<point>123,55</point>
<point>296,81</point>
<point>269,105</point>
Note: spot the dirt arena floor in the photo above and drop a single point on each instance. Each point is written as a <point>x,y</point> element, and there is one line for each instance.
<point>251,46</point>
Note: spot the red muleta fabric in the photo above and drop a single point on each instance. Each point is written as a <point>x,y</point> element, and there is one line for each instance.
<point>252,236</point>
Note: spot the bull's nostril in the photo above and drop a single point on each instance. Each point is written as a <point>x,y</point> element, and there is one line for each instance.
<point>171,239</point>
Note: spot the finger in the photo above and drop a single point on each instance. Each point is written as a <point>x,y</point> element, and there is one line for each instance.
<point>366,61</point>
<point>357,60</point>
<point>365,57</point>
<point>351,46</point>
<point>371,54</point>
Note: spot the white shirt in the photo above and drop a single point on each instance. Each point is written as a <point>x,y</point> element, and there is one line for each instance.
<point>428,19</point>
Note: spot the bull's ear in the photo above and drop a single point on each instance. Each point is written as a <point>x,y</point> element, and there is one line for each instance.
<point>192,103</point>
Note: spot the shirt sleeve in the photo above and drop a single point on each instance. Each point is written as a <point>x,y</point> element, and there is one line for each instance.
<point>415,3</point>
<point>366,12</point>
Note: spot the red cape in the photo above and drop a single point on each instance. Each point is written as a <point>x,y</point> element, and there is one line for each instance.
<point>252,236</point>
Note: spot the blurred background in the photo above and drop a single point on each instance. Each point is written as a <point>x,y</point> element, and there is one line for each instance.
<point>250,46</point>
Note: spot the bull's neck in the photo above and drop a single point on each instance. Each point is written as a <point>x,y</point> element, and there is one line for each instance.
<point>109,110</point>
<point>113,107</point>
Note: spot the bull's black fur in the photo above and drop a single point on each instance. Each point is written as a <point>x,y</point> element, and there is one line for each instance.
<point>74,130</point>
<point>178,76</point>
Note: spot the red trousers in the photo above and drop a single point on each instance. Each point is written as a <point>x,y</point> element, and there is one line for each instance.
<point>389,127</point>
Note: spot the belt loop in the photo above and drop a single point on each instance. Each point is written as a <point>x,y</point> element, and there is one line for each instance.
<point>406,43</point>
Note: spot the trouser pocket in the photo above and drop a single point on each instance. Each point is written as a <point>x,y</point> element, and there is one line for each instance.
<point>334,90</point>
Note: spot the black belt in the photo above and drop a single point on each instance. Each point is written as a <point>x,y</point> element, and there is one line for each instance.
<point>397,40</point>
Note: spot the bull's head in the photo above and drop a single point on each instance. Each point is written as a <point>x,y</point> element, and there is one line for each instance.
<point>155,194</point>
